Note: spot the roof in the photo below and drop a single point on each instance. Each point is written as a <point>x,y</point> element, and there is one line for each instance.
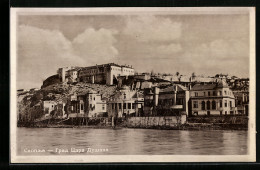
<point>172,88</point>
<point>75,69</point>
<point>203,87</point>
<point>124,87</point>
<point>203,79</point>
<point>214,85</point>
<point>92,92</point>
<point>222,84</point>
<point>107,65</point>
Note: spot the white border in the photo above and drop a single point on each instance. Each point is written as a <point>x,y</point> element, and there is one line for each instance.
<point>251,157</point>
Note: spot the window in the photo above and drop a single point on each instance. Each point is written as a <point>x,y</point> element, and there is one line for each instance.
<point>112,105</point>
<point>208,105</point>
<point>230,103</point>
<point>129,106</point>
<point>220,113</point>
<point>209,93</point>
<point>195,104</point>
<point>133,106</point>
<point>220,103</point>
<point>203,105</point>
<point>81,106</point>
<point>124,96</point>
<point>213,105</point>
<point>225,112</point>
<point>124,107</point>
<point>120,106</point>
<point>204,93</point>
<point>94,98</point>
<point>196,94</point>
<point>225,92</point>
<point>115,105</point>
<point>103,107</point>
<point>214,93</point>
<point>220,93</point>
<point>225,103</point>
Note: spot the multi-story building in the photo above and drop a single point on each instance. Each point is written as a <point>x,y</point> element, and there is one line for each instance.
<point>106,73</point>
<point>169,101</point>
<point>89,104</point>
<point>68,74</point>
<point>125,102</point>
<point>242,102</point>
<point>212,99</point>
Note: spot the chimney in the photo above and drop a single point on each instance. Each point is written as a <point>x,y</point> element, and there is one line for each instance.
<point>190,87</point>
<point>156,95</point>
<point>175,95</point>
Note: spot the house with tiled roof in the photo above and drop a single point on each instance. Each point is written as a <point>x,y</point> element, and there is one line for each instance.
<point>86,104</point>
<point>169,101</point>
<point>125,102</point>
<point>212,99</point>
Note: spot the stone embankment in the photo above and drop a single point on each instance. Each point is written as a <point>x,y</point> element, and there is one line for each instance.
<point>162,122</point>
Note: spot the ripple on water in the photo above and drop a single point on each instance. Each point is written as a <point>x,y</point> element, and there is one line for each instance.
<point>136,141</point>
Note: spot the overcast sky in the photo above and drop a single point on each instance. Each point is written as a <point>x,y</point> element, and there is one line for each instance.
<point>204,44</point>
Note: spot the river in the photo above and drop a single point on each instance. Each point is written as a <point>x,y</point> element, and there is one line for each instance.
<point>79,141</point>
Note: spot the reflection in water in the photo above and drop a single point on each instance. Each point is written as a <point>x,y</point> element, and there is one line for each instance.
<point>131,141</point>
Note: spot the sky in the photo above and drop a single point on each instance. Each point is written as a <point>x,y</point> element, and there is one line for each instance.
<point>205,44</point>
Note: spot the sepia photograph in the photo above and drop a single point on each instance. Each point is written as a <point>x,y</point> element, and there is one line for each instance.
<point>132,85</point>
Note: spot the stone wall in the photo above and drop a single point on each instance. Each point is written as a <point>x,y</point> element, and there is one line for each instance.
<point>229,119</point>
<point>162,121</point>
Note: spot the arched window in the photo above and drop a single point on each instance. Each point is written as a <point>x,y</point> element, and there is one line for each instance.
<point>213,105</point>
<point>203,105</point>
<point>208,105</point>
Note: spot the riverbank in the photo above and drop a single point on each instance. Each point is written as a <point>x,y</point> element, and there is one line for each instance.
<point>186,126</point>
<point>161,123</point>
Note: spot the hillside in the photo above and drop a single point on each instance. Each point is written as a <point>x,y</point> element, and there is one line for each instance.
<point>30,103</point>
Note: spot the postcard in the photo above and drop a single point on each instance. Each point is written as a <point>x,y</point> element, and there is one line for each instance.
<point>98,85</point>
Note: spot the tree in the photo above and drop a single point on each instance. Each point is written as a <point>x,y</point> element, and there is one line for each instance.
<point>193,75</point>
<point>177,73</point>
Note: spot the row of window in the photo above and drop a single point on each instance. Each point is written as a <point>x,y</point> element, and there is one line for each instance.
<point>179,101</point>
<point>211,105</point>
<point>214,93</point>
<point>92,107</point>
<point>119,69</point>
<point>221,113</point>
<point>125,106</point>
<point>90,98</point>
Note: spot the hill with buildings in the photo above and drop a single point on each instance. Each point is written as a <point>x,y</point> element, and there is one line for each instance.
<point>30,103</point>
<point>117,91</point>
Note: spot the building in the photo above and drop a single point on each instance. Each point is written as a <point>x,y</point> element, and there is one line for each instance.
<point>169,101</point>
<point>212,99</point>
<point>48,107</point>
<point>242,102</point>
<point>72,75</point>
<point>88,104</point>
<point>125,102</point>
<point>104,74</point>
<point>68,74</point>
<point>94,105</point>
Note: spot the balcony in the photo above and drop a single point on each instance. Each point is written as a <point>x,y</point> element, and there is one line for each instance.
<point>176,107</point>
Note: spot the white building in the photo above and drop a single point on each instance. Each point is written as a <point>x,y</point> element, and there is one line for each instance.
<point>212,99</point>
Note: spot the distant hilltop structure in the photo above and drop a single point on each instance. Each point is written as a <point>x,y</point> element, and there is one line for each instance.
<point>105,73</point>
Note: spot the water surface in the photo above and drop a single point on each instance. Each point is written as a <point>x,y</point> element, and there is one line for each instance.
<point>129,142</point>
